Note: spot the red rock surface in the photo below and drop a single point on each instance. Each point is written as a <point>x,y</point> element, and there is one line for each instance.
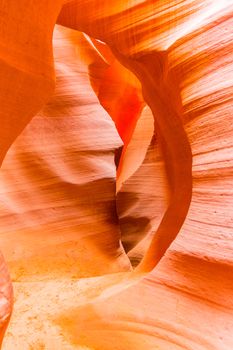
<point>59,229</point>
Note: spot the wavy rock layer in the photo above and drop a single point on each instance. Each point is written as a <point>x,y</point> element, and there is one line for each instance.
<point>180,50</point>
<point>26,61</point>
<point>58,184</point>
<point>186,302</point>
<point>143,196</point>
<point>150,65</point>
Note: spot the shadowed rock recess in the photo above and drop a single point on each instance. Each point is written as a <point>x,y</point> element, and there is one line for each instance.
<point>116,179</point>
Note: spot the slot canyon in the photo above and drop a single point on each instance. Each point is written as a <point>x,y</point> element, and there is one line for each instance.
<point>116,179</point>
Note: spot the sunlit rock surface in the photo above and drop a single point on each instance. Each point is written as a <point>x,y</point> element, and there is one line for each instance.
<point>174,200</point>
<point>58,188</point>
<point>6,298</point>
<point>58,183</point>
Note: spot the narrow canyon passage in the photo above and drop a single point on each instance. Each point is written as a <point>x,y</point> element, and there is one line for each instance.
<point>158,90</point>
<point>70,226</point>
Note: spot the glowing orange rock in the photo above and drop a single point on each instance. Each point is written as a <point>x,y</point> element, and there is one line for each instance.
<point>26,55</point>
<point>62,211</point>
<point>26,77</point>
<point>186,301</point>
<point>181,53</point>
<point>151,65</point>
<point>6,301</point>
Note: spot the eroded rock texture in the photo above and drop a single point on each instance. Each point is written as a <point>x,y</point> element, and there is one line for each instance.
<point>69,228</point>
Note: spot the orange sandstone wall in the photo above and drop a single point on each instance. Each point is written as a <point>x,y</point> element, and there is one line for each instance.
<point>73,226</point>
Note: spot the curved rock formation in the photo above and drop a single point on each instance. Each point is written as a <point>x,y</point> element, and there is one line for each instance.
<point>58,185</point>
<point>26,79</point>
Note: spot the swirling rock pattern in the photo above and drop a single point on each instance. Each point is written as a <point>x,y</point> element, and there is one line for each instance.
<point>63,174</point>
<point>181,52</point>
